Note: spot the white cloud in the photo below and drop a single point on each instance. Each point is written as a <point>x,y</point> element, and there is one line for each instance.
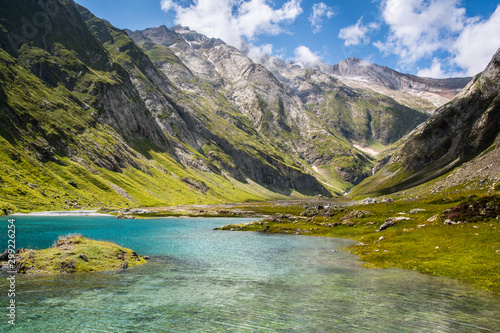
<point>358,33</point>
<point>435,70</point>
<point>256,53</point>
<point>418,29</point>
<point>305,56</point>
<point>477,43</point>
<point>230,20</point>
<point>320,10</point>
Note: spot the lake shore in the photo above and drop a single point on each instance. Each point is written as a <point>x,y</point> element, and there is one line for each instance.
<point>416,236</point>
<point>63,213</point>
<point>455,237</point>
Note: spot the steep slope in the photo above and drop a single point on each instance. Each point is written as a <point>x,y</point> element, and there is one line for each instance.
<point>91,123</point>
<point>273,109</point>
<point>456,133</point>
<point>210,123</point>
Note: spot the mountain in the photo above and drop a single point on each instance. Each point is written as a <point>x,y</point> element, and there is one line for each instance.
<point>361,70</point>
<point>94,116</point>
<point>214,68</point>
<point>363,115</point>
<point>462,133</point>
<point>87,120</point>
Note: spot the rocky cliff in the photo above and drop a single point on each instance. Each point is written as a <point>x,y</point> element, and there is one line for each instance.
<point>358,69</point>
<point>275,111</point>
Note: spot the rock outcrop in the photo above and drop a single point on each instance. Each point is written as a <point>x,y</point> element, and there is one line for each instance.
<point>359,69</point>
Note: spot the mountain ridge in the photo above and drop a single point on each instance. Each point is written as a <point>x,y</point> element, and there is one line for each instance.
<point>96,116</point>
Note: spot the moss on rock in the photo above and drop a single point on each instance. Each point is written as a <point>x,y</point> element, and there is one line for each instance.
<point>76,254</point>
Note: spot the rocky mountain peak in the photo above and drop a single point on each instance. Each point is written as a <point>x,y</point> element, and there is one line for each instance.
<point>159,35</point>
<point>196,39</point>
<point>492,72</point>
<point>362,70</point>
<point>354,62</point>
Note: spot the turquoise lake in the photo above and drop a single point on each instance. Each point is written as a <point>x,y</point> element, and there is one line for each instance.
<point>201,280</point>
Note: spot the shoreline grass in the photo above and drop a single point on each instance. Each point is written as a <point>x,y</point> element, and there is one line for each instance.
<point>419,240</point>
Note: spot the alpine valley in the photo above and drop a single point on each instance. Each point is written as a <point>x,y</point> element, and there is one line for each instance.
<point>93,116</point>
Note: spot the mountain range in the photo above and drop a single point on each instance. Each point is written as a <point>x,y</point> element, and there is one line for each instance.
<point>95,116</point>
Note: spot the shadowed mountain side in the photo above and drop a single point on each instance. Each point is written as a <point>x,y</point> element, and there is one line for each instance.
<point>456,133</point>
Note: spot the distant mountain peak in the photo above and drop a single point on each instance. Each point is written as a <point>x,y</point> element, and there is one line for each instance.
<point>355,60</point>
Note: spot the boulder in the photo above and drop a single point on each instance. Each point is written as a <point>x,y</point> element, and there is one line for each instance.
<point>388,223</point>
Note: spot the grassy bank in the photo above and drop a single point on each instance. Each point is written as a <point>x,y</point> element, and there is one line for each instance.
<point>76,254</point>
<point>466,248</point>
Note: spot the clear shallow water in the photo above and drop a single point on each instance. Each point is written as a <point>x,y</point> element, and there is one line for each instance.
<point>202,280</point>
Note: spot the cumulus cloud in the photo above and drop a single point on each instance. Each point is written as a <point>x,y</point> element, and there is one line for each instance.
<point>256,53</point>
<point>435,70</point>
<point>358,33</point>
<point>418,29</point>
<point>305,56</point>
<point>477,43</point>
<point>320,11</point>
<point>230,20</point>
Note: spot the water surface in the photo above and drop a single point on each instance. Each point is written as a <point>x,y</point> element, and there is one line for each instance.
<point>201,280</point>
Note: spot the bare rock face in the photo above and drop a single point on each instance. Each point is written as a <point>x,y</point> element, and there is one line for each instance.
<point>360,113</point>
<point>461,129</point>
<point>198,113</point>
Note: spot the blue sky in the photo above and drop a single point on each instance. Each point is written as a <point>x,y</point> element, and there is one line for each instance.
<point>437,38</point>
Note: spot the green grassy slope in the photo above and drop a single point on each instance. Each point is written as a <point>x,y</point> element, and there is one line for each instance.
<point>76,132</point>
<point>365,116</point>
